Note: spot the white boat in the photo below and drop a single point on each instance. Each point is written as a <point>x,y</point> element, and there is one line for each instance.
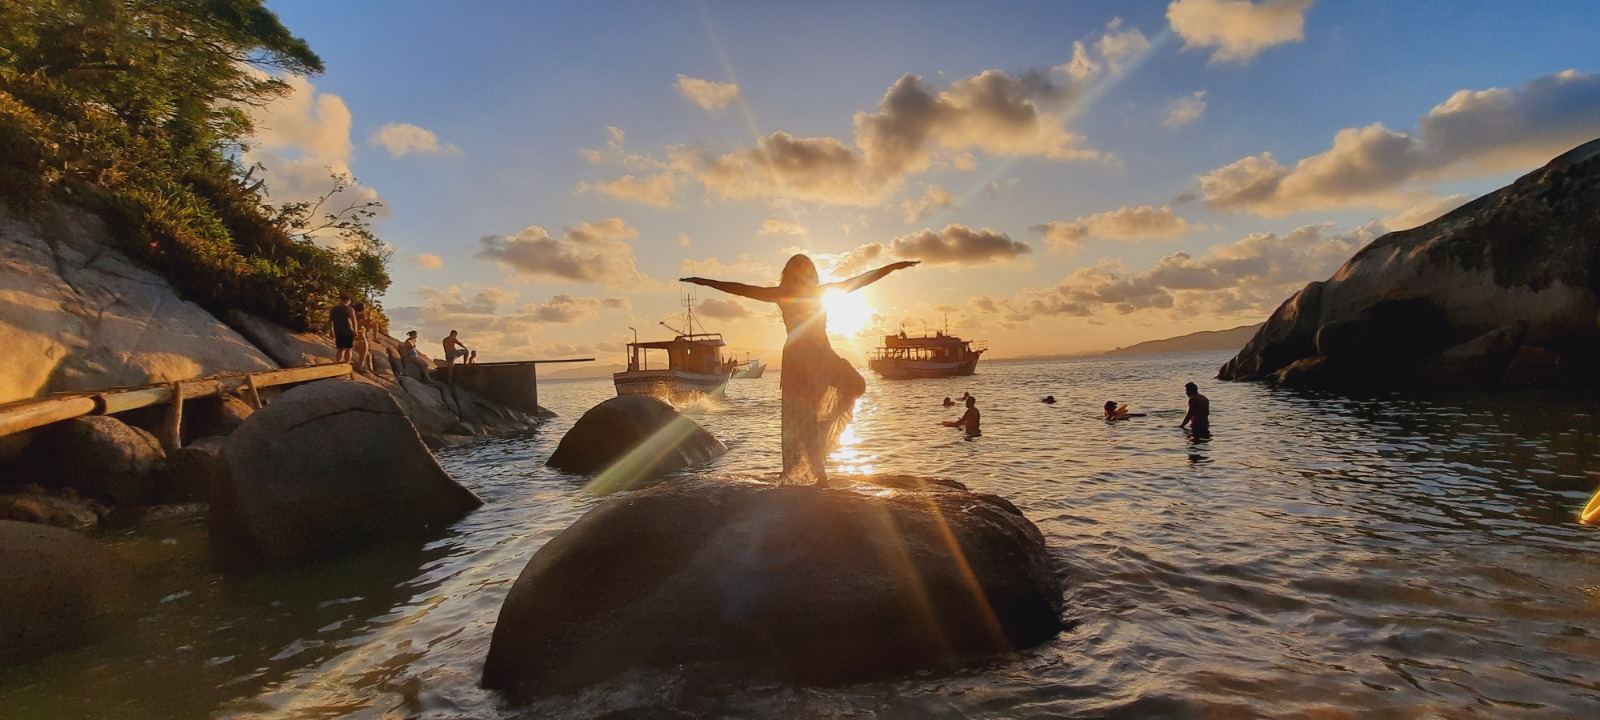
<point>689,364</point>
<point>928,356</point>
<point>750,369</point>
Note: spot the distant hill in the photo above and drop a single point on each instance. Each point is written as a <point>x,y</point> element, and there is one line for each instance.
<point>1194,342</point>
<point>582,372</point>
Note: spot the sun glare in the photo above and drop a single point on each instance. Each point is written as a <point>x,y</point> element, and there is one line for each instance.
<point>848,313</point>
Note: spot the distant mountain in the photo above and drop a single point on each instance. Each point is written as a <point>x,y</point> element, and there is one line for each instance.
<point>583,371</point>
<point>1194,342</point>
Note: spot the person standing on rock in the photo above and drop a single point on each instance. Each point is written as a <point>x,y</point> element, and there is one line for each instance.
<point>819,387</point>
<point>1199,416</point>
<point>343,319</point>
<point>363,343</point>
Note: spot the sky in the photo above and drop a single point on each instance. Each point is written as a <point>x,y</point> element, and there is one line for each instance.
<point>1072,176</point>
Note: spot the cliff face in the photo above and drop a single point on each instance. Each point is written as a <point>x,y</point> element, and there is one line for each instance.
<point>1503,283</point>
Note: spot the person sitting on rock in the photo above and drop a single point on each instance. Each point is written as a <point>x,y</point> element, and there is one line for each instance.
<point>969,420</point>
<point>410,357</point>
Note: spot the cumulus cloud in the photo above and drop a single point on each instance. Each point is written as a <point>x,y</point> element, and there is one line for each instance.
<point>1423,213</point>
<point>685,240</point>
<point>1119,48</point>
<point>933,198</point>
<point>1238,29</point>
<point>1185,110</point>
<point>780,227</point>
<point>1250,276</point>
<point>1473,133</point>
<point>429,261</point>
<point>954,245</point>
<point>1144,222</point>
<point>491,321</point>
<point>300,139</point>
<point>617,153</point>
<point>708,94</point>
<point>724,309</point>
<point>591,252</point>
<point>400,139</point>
<point>746,267</point>
<point>655,190</point>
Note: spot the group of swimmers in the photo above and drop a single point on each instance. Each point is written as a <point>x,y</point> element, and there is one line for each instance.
<point>1197,419</point>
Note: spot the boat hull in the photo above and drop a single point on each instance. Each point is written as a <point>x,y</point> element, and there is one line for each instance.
<point>750,372</point>
<point>667,383</point>
<point>894,369</point>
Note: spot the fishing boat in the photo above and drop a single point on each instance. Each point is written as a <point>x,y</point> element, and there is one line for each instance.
<point>750,369</point>
<point>928,356</point>
<point>687,365</point>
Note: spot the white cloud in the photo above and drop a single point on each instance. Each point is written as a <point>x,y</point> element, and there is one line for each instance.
<point>429,261</point>
<point>954,245</point>
<point>780,227</point>
<point>1185,110</point>
<point>724,309</point>
<point>1121,49</point>
<point>933,198</point>
<point>746,267</point>
<point>708,94</point>
<point>684,239</point>
<point>491,322</point>
<point>1238,29</point>
<point>591,252</point>
<point>400,139</point>
<point>656,190</point>
<point>1473,133</point>
<point>1144,222</point>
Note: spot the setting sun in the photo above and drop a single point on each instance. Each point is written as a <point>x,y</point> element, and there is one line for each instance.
<point>848,313</point>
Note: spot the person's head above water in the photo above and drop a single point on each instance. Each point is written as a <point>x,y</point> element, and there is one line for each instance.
<point>1111,405</point>
<point>799,271</point>
<point>971,401</point>
<point>1191,388</point>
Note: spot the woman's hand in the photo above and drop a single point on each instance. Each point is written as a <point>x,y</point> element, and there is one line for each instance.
<point>903,264</point>
<point>693,280</point>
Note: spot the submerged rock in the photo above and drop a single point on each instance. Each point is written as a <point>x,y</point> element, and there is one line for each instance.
<point>650,433</point>
<point>58,590</point>
<point>796,583</point>
<point>329,465</point>
<point>1454,302</point>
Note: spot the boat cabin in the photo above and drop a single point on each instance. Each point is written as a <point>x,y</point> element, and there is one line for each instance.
<point>700,353</point>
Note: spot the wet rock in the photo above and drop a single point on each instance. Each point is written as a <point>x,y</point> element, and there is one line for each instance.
<point>329,465</point>
<point>195,471</point>
<point>793,583</point>
<point>1409,306</point>
<point>33,505</point>
<point>61,590</point>
<point>654,437</point>
<point>99,456</point>
<point>1533,365</point>
<point>213,416</point>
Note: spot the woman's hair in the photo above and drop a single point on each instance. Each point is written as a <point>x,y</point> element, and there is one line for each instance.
<point>1111,404</point>
<point>799,271</point>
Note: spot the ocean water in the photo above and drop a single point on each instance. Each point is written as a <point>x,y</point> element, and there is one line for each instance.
<point>1321,556</point>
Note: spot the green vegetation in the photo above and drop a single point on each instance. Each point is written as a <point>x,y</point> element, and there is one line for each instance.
<point>137,110</point>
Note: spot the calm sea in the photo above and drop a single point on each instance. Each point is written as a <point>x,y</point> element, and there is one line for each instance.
<point>1319,557</point>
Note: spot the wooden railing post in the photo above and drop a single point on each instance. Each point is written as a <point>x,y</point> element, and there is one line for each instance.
<point>172,431</point>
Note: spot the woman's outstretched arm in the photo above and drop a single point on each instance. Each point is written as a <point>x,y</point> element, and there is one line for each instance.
<point>868,278</point>
<point>764,294</point>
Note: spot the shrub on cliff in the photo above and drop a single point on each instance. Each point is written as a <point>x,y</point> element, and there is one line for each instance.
<point>136,109</point>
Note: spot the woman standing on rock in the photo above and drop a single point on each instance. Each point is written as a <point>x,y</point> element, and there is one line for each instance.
<point>819,387</point>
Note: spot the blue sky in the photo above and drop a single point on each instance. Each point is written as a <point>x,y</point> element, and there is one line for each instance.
<point>1057,206</point>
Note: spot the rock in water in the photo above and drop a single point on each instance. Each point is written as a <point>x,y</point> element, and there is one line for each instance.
<point>99,456</point>
<point>660,439</point>
<point>326,466</point>
<point>60,590</point>
<point>805,585</point>
<point>1513,274</point>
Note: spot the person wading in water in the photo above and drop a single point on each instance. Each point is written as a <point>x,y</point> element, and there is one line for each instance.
<point>819,387</point>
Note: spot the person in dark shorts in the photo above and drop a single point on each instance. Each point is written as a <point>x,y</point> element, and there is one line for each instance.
<point>344,322</point>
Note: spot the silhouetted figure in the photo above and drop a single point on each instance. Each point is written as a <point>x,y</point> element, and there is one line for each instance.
<point>1049,400</point>
<point>948,402</point>
<point>343,319</point>
<point>819,387</point>
<point>970,420</point>
<point>364,329</point>
<point>1199,416</point>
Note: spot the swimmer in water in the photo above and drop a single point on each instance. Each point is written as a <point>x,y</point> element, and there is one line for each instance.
<point>1119,412</point>
<point>948,402</point>
<point>1049,400</point>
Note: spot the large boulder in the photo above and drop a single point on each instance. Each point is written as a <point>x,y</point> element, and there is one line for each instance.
<point>328,465</point>
<point>78,314</point>
<point>286,347</point>
<point>58,590</point>
<point>99,456</point>
<point>653,437</point>
<point>195,471</point>
<point>1451,302</point>
<point>218,415</point>
<point>807,585</point>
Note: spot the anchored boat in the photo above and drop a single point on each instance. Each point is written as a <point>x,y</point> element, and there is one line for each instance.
<point>750,369</point>
<point>928,356</point>
<point>688,364</point>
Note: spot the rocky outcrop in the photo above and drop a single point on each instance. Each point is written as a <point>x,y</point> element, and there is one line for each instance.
<point>77,314</point>
<point>61,590</point>
<point>329,465</point>
<point>795,583</point>
<point>31,504</point>
<point>195,471</point>
<point>1513,274</point>
<point>216,416</point>
<point>652,436</point>
<point>286,348</point>
<point>99,456</point>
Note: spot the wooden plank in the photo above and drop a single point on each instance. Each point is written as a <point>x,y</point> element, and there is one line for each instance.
<point>44,412</point>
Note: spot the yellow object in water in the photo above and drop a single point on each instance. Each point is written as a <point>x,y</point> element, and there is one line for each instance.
<point>1591,512</point>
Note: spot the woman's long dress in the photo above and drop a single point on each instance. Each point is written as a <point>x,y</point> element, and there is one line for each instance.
<point>820,390</point>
